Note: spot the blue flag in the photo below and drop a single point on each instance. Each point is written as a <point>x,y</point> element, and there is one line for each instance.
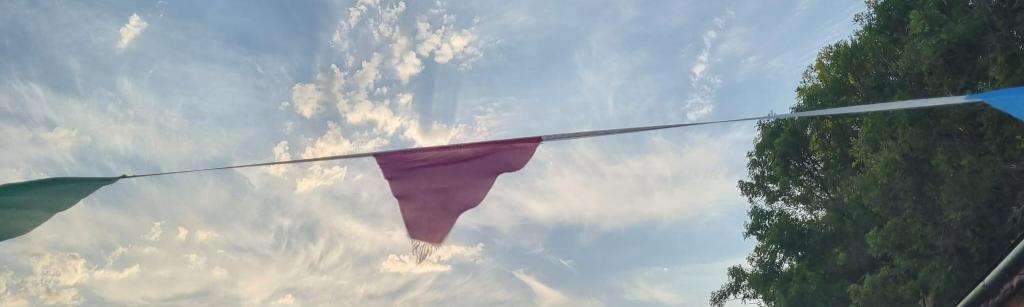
<point>1010,100</point>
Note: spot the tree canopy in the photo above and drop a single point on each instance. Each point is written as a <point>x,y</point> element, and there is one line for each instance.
<point>897,208</point>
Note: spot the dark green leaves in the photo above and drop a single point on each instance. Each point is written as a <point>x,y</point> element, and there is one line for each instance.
<point>890,209</point>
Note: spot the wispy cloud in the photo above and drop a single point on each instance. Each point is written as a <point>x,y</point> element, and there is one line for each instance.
<point>546,296</point>
<point>686,284</point>
<point>606,187</point>
<point>63,138</point>
<point>703,83</point>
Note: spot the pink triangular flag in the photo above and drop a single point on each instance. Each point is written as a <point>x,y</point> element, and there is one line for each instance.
<point>436,185</point>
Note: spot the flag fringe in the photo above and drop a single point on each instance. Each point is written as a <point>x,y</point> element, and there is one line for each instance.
<point>423,249</point>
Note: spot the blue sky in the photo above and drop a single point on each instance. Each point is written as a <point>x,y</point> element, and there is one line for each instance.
<point>652,219</point>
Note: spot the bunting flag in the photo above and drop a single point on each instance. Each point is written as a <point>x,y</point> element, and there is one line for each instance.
<point>436,185</point>
<point>26,205</point>
<point>1010,101</point>
<point>433,185</point>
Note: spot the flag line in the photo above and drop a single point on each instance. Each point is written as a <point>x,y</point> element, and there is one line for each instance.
<point>433,185</point>
<point>868,108</point>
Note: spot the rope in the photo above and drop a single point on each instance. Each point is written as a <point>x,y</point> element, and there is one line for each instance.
<point>868,108</point>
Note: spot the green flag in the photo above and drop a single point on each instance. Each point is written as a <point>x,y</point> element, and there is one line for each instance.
<point>26,205</point>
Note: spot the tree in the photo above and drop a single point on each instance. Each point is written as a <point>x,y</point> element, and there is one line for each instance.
<point>898,208</point>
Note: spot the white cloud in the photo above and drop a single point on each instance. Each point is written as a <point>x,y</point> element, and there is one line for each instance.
<point>367,74</point>
<point>286,300</point>
<point>545,296</point>
<point>5,277</point>
<point>281,153</point>
<point>445,43</point>
<point>321,265</point>
<point>385,121</point>
<point>385,26</point>
<point>438,261</point>
<point>735,43</point>
<point>311,245</point>
<point>130,31</point>
<point>7,283</point>
<point>697,71</point>
<point>195,261</point>
<point>103,274</point>
<point>182,233</point>
<point>690,176</point>
<point>435,134</point>
<point>306,98</point>
<point>334,142</point>
<point>567,263</point>
<point>155,231</point>
<point>219,272</point>
<point>406,63</point>
<point>356,11</point>
<point>688,284</point>
<point>376,99</point>
<point>125,122</point>
<point>62,138</point>
<point>204,235</point>
<point>54,277</point>
<point>317,176</point>
<point>646,291</point>
<point>450,251</point>
<point>404,99</point>
<point>703,84</point>
<point>407,264</point>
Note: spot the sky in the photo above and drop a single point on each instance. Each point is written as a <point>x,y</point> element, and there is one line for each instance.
<point>107,88</point>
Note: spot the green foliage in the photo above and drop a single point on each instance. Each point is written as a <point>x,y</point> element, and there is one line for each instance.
<point>899,208</point>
